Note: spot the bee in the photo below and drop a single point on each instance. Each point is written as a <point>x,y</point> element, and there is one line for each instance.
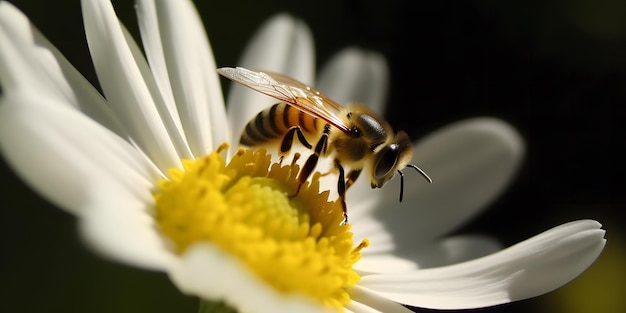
<point>354,135</point>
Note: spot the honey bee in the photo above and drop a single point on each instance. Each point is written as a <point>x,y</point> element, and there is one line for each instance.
<point>356,136</point>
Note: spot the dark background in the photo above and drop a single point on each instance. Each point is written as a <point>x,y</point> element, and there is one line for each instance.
<point>556,70</point>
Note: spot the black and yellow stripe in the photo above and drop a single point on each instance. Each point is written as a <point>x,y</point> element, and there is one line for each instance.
<point>274,122</point>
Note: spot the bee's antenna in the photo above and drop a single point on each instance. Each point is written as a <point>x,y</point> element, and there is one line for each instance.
<point>401,184</point>
<point>419,170</point>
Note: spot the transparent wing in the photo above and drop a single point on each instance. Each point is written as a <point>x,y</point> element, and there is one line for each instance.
<point>289,90</point>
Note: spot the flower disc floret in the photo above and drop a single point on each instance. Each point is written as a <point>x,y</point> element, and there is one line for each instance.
<point>295,243</point>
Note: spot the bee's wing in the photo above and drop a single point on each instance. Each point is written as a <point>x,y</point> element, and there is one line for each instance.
<point>289,90</point>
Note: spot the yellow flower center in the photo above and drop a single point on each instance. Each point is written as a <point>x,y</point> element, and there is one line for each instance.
<point>297,244</point>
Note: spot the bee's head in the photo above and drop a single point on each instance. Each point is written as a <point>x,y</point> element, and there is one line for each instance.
<point>389,158</point>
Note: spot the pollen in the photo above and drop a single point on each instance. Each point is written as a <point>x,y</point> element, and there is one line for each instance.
<point>296,244</point>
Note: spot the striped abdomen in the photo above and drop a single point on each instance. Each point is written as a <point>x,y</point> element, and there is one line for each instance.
<point>273,123</point>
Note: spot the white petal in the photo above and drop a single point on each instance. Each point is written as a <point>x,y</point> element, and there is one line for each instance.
<point>355,76</point>
<point>64,155</point>
<point>155,75</point>
<point>470,162</point>
<point>29,62</point>
<point>375,231</point>
<point>151,39</point>
<point>123,76</point>
<point>119,225</point>
<point>453,250</point>
<point>283,45</point>
<point>208,272</point>
<point>365,301</point>
<point>384,263</point>
<point>181,51</point>
<point>444,252</point>
<point>530,268</point>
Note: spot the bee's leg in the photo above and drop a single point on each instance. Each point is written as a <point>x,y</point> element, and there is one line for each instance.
<point>353,174</point>
<point>287,142</point>
<point>341,190</point>
<point>343,184</point>
<point>311,161</point>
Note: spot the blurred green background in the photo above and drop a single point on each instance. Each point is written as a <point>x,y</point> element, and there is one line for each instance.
<point>556,70</point>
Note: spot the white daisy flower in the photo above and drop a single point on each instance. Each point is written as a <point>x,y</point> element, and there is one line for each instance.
<point>142,169</point>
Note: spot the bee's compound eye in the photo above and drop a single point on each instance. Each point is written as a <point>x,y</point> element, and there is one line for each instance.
<point>387,161</point>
